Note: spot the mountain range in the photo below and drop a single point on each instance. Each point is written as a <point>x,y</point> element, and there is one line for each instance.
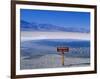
<point>27,26</point>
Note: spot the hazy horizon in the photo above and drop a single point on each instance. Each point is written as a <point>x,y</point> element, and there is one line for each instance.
<point>53,35</point>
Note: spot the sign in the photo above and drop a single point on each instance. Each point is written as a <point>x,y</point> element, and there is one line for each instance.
<point>62,50</point>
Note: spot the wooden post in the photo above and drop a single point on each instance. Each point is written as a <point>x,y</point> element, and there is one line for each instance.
<point>63,58</point>
<point>62,50</point>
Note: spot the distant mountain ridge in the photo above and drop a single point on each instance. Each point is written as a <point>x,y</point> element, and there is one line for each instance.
<point>26,26</point>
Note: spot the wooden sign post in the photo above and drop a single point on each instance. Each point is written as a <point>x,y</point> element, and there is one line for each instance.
<point>62,50</point>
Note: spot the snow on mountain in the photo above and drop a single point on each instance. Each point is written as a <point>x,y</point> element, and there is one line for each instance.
<point>26,26</point>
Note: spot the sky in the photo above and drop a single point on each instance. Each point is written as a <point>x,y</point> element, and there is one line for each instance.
<point>59,18</point>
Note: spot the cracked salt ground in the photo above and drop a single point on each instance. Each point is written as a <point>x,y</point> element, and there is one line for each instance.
<point>53,61</point>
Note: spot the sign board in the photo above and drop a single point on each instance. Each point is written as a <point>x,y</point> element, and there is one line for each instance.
<point>62,49</point>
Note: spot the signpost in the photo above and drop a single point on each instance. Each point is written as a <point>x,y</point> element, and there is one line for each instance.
<point>62,50</point>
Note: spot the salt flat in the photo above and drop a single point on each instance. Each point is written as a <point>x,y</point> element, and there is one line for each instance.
<point>53,61</point>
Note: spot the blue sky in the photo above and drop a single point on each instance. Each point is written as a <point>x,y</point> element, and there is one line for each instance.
<point>59,18</point>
